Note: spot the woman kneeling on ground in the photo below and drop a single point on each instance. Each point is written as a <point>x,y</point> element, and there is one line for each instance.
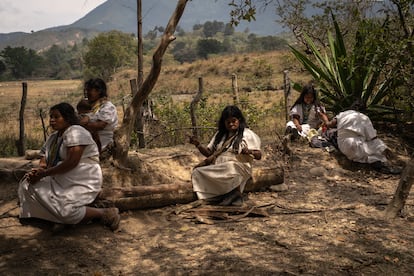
<point>232,149</point>
<point>68,178</point>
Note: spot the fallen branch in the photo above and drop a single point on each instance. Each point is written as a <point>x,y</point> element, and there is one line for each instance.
<point>293,211</point>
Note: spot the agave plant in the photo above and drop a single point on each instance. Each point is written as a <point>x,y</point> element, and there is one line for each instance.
<point>345,78</point>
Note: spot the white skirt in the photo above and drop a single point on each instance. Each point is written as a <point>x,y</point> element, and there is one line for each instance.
<point>229,172</point>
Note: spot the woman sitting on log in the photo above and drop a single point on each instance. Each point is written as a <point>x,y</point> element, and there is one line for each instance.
<point>68,178</point>
<point>221,178</point>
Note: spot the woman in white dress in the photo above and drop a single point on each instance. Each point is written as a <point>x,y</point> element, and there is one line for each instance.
<point>104,117</point>
<point>234,146</point>
<point>358,141</point>
<point>304,113</point>
<point>68,178</point>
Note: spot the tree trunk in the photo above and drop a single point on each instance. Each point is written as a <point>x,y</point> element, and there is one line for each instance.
<point>155,196</point>
<point>401,194</point>
<point>122,136</point>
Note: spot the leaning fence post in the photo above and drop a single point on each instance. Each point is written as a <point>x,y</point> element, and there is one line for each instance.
<point>193,106</point>
<point>286,90</point>
<point>21,143</point>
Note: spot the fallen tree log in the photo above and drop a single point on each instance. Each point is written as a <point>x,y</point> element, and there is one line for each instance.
<point>155,196</point>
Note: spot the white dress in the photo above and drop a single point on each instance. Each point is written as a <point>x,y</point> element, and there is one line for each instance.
<point>231,169</point>
<point>62,198</point>
<point>107,113</point>
<point>357,138</point>
<point>313,121</point>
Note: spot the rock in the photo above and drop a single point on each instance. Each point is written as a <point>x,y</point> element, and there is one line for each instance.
<point>279,188</point>
<point>318,171</point>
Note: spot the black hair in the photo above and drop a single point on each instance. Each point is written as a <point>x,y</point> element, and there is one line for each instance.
<point>307,89</point>
<point>230,111</point>
<point>358,105</point>
<point>68,113</point>
<point>83,105</point>
<point>98,84</point>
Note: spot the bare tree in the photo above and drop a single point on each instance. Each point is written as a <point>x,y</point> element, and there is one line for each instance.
<point>122,137</point>
<point>139,123</point>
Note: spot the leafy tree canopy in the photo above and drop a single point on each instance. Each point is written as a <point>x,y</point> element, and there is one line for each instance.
<point>109,52</point>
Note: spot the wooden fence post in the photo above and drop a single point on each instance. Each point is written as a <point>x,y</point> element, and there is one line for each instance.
<point>286,90</point>
<point>235,88</point>
<point>193,106</point>
<point>21,143</point>
<point>44,127</point>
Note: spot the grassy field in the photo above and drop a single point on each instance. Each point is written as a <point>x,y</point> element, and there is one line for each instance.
<point>259,79</point>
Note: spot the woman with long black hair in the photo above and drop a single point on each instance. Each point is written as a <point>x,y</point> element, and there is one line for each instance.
<point>68,177</point>
<point>231,152</point>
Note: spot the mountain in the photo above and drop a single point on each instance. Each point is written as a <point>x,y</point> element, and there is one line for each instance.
<point>121,15</point>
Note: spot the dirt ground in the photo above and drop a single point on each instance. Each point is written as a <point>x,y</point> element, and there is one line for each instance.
<point>328,222</point>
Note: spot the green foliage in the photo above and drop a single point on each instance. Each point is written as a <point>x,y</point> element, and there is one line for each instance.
<point>313,17</point>
<point>3,67</point>
<point>345,78</point>
<point>228,29</point>
<point>210,29</point>
<point>242,10</point>
<point>60,62</point>
<point>266,43</point>
<point>183,53</point>
<point>8,145</point>
<point>206,47</point>
<point>108,52</point>
<point>176,121</point>
<point>21,62</point>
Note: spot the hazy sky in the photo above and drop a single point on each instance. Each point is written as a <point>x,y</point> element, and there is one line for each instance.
<point>36,15</point>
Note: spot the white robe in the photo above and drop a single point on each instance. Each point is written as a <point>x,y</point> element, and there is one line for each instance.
<point>62,198</point>
<point>357,138</point>
<point>107,113</point>
<point>313,121</point>
<point>231,169</point>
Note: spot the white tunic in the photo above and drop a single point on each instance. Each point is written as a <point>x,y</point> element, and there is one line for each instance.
<point>231,169</point>
<point>357,138</point>
<point>107,113</point>
<point>62,198</point>
<point>313,120</point>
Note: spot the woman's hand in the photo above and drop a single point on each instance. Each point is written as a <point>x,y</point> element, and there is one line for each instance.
<point>257,154</point>
<point>245,150</point>
<point>35,175</point>
<point>299,127</point>
<point>84,120</point>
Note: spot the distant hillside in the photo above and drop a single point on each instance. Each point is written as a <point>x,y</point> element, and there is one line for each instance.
<point>121,15</point>
<point>42,40</point>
